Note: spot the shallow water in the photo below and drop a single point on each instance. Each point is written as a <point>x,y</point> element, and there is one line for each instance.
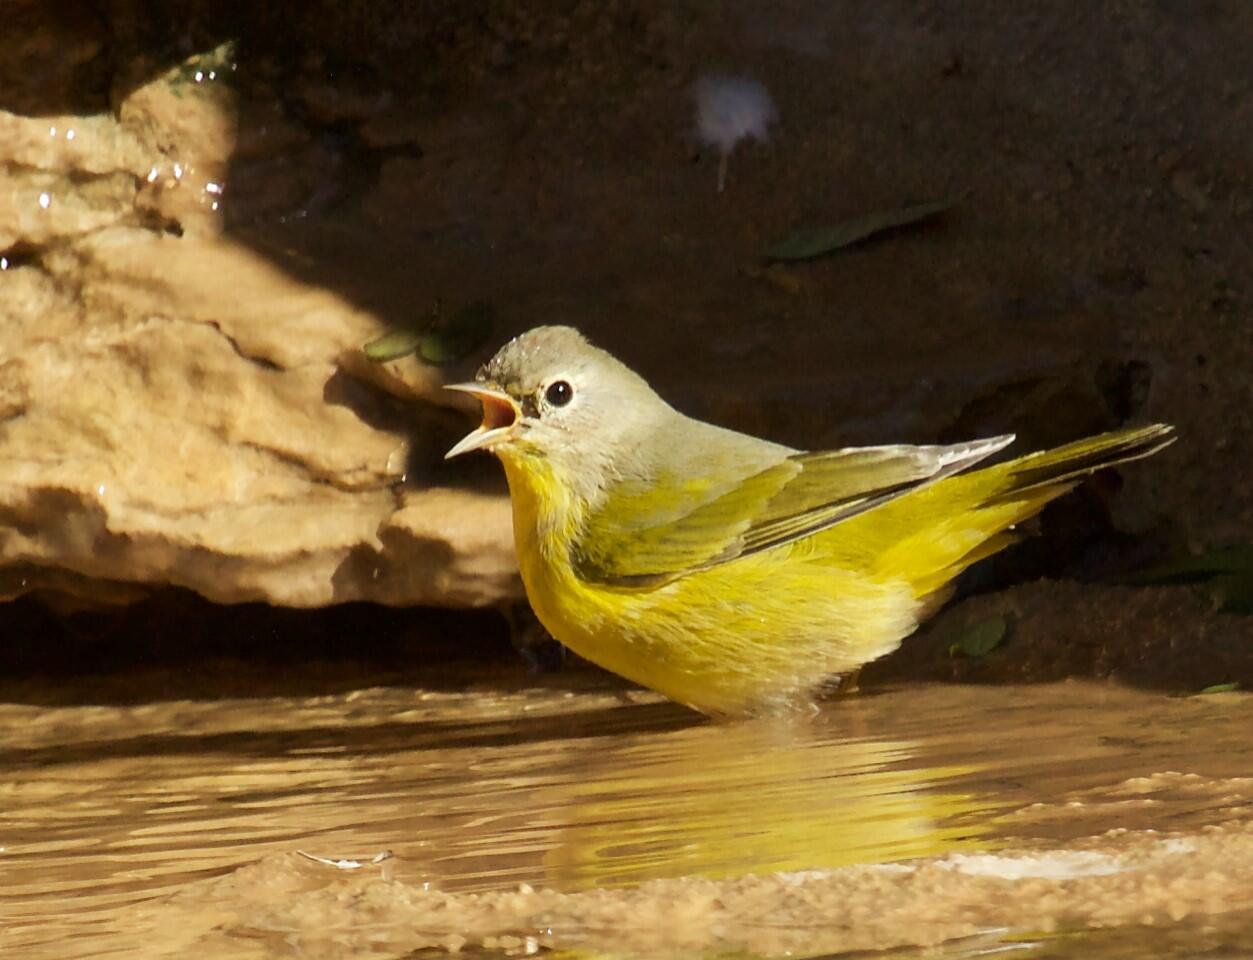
<point>172,826</point>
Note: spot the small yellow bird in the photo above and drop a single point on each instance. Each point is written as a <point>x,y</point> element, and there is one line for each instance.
<point>729,573</point>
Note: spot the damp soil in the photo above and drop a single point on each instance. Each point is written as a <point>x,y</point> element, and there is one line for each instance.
<point>162,813</point>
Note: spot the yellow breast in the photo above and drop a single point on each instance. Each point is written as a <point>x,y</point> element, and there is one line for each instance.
<point>744,635</point>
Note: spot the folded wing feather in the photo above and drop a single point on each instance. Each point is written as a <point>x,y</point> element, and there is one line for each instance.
<point>709,520</point>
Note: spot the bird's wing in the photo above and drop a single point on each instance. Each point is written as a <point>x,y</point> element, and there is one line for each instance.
<point>647,532</point>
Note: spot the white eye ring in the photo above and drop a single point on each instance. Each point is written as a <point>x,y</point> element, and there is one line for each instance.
<point>559,393</point>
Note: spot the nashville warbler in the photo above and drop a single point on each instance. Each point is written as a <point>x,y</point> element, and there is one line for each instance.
<point>733,574</point>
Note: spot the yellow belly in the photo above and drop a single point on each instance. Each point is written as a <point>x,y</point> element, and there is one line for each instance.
<point>753,634</point>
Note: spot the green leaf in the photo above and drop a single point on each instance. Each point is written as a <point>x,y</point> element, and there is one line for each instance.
<point>1236,559</point>
<point>393,346</point>
<point>1219,688</point>
<point>980,638</point>
<point>437,339</point>
<point>806,244</point>
<point>1234,592</point>
<point>458,336</point>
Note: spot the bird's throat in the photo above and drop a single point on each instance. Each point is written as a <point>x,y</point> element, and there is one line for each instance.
<point>547,511</point>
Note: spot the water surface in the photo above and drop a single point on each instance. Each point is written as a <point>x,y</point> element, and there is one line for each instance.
<point>174,825</point>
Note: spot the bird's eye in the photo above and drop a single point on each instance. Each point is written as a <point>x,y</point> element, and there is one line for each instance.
<point>559,393</point>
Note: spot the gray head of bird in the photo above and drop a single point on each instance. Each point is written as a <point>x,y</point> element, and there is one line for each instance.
<point>550,394</point>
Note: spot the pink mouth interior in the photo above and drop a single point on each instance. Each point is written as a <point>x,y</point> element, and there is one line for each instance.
<point>497,413</point>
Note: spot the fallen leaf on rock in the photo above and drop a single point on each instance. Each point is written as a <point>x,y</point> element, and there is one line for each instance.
<point>810,243</point>
<point>979,639</point>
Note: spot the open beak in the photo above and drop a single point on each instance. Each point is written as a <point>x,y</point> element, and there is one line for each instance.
<point>500,414</point>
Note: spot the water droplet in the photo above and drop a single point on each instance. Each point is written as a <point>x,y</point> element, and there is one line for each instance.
<point>4,263</point>
<point>52,131</point>
<point>69,134</point>
<point>152,174</point>
<point>199,76</point>
<point>212,187</point>
<point>45,200</point>
<point>178,171</point>
<point>100,490</point>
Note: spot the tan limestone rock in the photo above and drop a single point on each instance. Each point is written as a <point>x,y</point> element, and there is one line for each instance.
<point>171,411</point>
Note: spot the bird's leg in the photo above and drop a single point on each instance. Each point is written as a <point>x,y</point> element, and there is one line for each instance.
<point>851,682</point>
<point>534,644</point>
<point>844,685</point>
<point>722,171</point>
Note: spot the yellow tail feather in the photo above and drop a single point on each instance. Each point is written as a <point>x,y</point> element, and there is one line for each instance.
<point>930,536</point>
